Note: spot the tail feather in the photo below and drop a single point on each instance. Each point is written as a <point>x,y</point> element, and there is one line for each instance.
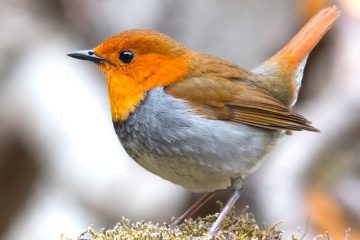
<point>286,67</point>
<point>306,39</point>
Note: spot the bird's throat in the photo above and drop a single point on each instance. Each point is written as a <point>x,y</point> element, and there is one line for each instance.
<point>124,96</point>
<point>127,88</point>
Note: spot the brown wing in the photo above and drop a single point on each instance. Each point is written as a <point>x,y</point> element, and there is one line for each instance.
<point>237,101</point>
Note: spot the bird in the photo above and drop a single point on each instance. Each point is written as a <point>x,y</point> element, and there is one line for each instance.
<point>197,120</point>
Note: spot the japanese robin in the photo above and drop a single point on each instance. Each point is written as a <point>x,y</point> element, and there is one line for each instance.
<point>197,120</point>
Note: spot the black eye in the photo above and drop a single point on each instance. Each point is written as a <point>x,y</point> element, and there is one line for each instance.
<point>126,56</point>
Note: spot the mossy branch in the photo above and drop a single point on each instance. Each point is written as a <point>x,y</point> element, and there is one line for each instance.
<point>242,227</point>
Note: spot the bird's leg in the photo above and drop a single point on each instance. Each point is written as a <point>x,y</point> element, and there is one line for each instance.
<point>199,203</point>
<point>236,184</point>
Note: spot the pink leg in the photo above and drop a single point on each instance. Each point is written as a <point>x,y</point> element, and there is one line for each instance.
<point>237,185</point>
<point>206,197</point>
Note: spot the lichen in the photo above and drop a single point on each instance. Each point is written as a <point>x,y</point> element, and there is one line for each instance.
<point>241,227</point>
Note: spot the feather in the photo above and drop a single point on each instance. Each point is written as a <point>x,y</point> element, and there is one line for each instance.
<point>237,101</point>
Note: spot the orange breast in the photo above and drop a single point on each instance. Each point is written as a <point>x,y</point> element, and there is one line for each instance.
<point>127,85</point>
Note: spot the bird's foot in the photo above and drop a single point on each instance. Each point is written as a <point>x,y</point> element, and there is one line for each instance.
<point>237,185</point>
<point>206,197</point>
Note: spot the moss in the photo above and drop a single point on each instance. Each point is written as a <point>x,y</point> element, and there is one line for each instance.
<point>242,227</point>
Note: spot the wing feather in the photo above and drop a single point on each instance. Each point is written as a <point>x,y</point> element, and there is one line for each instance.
<point>237,101</point>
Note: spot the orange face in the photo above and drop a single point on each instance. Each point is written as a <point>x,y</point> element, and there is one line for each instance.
<point>137,61</point>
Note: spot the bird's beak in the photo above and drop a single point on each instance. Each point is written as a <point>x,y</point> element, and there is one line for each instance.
<point>88,55</point>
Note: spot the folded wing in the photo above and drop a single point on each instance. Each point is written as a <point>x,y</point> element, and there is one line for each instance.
<point>237,101</point>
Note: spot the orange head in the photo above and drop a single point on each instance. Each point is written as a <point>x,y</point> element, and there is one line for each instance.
<point>134,62</point>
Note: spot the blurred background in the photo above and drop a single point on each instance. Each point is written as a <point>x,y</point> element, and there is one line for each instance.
<point>62,168</point>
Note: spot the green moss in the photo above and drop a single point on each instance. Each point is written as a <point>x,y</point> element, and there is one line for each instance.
<point>242,227</point>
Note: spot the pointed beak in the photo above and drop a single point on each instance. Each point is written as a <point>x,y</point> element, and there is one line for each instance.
<point>88,55</point>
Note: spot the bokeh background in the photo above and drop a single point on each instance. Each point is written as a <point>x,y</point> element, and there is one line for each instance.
<point>62,168</point>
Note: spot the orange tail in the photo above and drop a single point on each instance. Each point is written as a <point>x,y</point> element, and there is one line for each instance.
<point>306,39</point>
<point>288,64</point>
